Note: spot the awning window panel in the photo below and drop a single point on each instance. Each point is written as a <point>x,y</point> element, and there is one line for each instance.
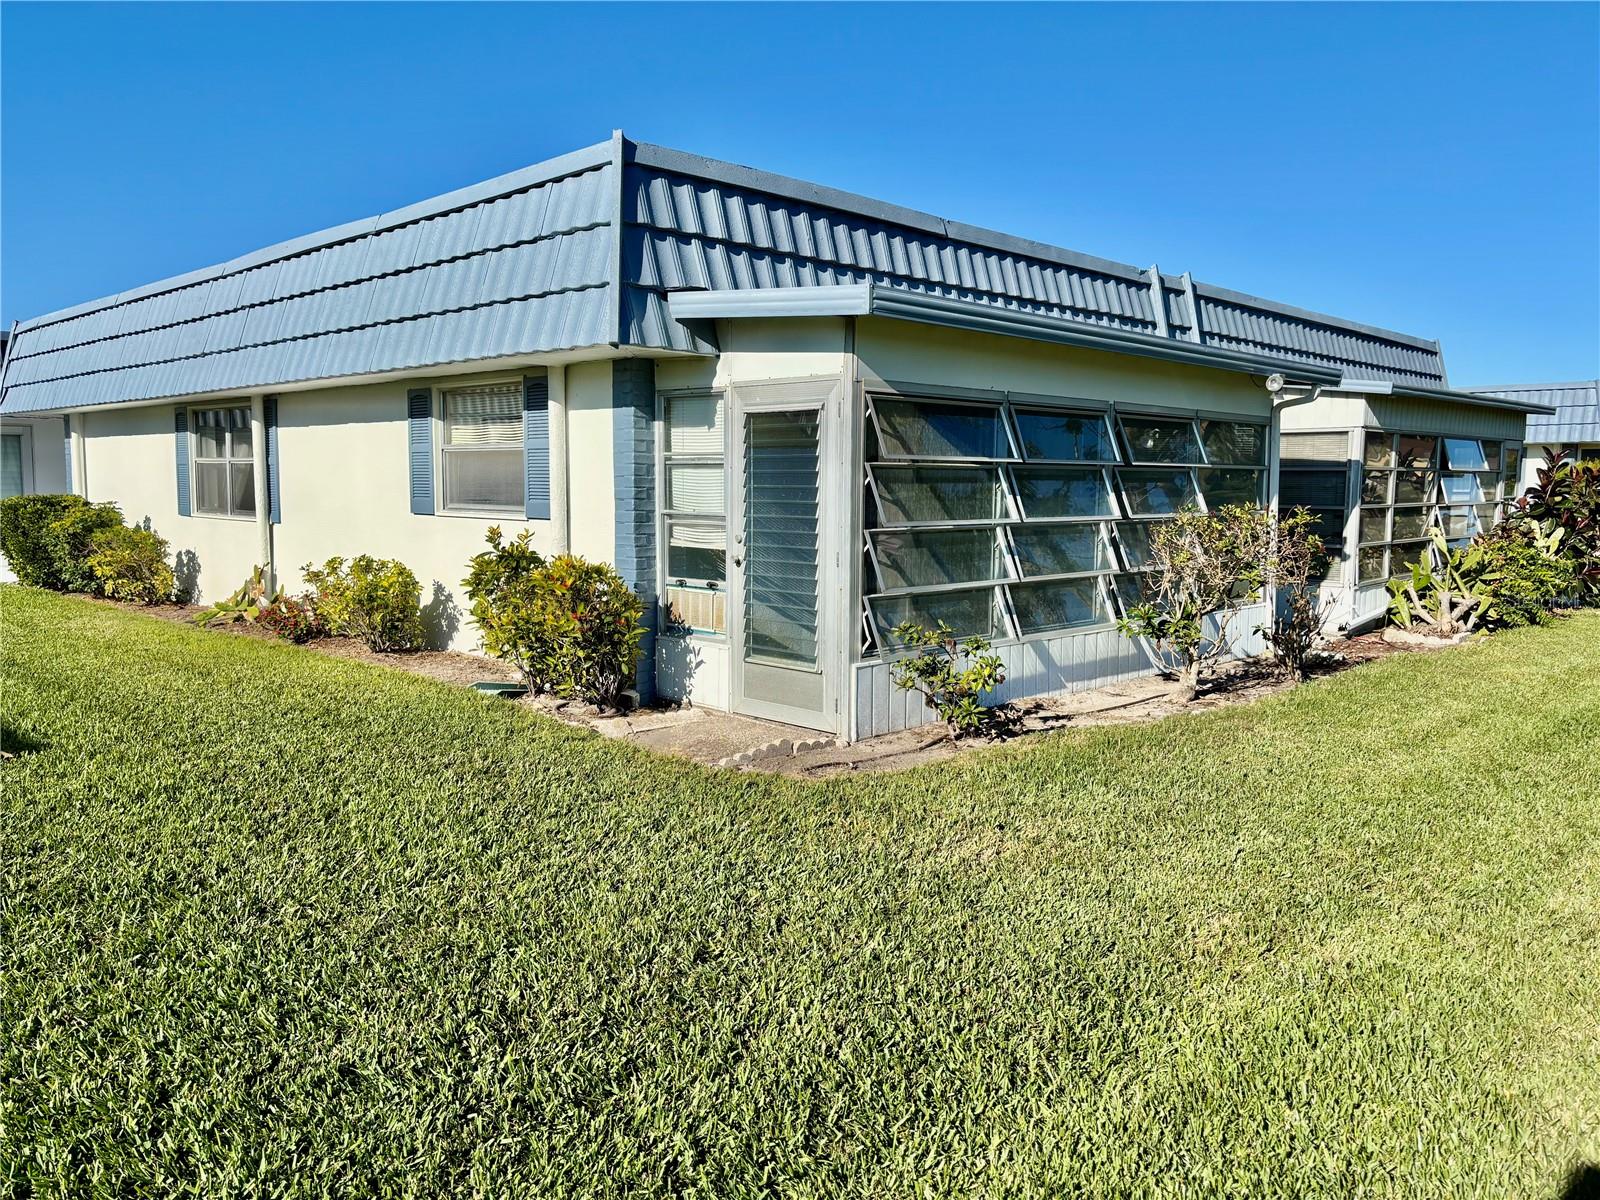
<point>938,495</point>
<point>1054,492</point>
<point>908,558</point>
<point>1064,437</point>
<point>930,429</point>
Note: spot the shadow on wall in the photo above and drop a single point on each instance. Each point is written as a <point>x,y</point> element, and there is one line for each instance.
<point>186,571</point>
<point>677,661</point>
<point>441,617</point>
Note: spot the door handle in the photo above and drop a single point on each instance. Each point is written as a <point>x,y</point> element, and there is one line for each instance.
<point>737,561</point>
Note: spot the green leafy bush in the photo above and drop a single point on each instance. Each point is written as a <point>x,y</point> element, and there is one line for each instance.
<point>1522,574</point>
<point>293,618</point>
<point>1201,564</point>
<point>568,625</point>
<point>952,675</point>
<point>70,538</point>
<point>1567,498</point>
<point>1511,576</point>
<point>375,599</point>
<point>131,564</point>
<point>24,522</point>
<point>502,585</point>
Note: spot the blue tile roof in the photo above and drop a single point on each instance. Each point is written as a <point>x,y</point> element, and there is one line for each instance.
<point>584,251</point>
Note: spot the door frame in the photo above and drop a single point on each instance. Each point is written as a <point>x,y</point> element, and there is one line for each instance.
<point>823,395</point>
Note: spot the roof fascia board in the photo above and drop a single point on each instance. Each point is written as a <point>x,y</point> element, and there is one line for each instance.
<point>846,300</point>
<point>979,318</point>
<point>1213,292</point>
<point>1579,385</point>
<point>684,163</point>
<point>550,169</point>
<point>1407,390</point>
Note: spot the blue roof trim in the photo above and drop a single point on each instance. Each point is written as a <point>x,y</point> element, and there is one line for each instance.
<point>596,247</point>
<point>1571,413</point>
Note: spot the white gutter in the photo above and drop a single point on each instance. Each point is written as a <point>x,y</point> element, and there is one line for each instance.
<point>258,463</point>
<point>560,490</point>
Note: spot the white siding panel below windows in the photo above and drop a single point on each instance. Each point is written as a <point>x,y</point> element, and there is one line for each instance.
<point>1045,666</point>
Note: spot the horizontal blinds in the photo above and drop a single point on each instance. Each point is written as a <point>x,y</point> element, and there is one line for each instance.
<point>486,415</point>
<point>700,537</point>
<point>694,425</point>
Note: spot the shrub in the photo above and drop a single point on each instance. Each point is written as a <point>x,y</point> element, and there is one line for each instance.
<point>375,599</point>
<point>131,564</point>
<point>70,538</point>
<point>568,625</point>
<point>1521,573</point>
<point>951,675</point>
<point>1295,568</point>
<point>293,618</point>
<point>1201,564</point>
<point>244,604</point>
<point>24,521</point>
<point>1567,497</point>
<point>501,583</point>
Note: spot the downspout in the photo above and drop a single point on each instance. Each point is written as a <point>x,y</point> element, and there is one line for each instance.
<point>80,456</point>
<point>560,495</point>
<point>258,461</point>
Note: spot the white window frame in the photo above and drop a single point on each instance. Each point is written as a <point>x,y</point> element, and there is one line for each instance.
<point>666,516</point>
<point>441,425</point>
<point>196,459</point>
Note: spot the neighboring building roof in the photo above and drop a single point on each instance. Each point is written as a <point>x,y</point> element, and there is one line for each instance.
<point>532,263</point>
<point>1577,409</point>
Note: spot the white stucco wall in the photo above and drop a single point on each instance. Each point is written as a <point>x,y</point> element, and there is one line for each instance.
<point>344,489</point>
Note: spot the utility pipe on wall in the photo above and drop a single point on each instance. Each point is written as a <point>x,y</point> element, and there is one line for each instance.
<point>258,460</point>
<point>80,470</point>
<point>560,496</point>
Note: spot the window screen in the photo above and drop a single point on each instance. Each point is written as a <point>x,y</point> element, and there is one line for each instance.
<point>223,466</point>
<point>482,452</point>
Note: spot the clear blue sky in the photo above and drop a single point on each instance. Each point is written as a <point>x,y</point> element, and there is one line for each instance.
<point>1431,168</point>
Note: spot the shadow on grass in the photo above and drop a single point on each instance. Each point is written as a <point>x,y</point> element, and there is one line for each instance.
<point>1582,1183</point>
<point>14,742</point>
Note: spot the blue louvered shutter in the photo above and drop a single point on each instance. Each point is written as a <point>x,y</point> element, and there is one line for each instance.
<point>536,447</point>
<point>419,418</point>
<point>269,416</point>
<point>66,447</point>
<point>180,423</point>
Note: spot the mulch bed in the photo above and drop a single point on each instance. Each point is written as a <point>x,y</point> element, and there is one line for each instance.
<point>447,666</point>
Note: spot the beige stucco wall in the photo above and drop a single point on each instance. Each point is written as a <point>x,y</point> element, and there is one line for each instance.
<point>344,489</point>
<point>44,447</point>
<point>697,668</point>
<point>907,352</point>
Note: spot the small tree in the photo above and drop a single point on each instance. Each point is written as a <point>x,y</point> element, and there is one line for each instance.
<point>1201,565</point>
<point>951,675</point>
<point>1295,571</point>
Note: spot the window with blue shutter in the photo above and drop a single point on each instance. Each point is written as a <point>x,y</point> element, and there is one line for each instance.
<point>419,418</point>
<point>536,447</point>
<point>181,443</point>
<point>66,447</point>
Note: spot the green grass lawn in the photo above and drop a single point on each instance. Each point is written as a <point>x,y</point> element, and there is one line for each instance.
<point>277,924</point>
